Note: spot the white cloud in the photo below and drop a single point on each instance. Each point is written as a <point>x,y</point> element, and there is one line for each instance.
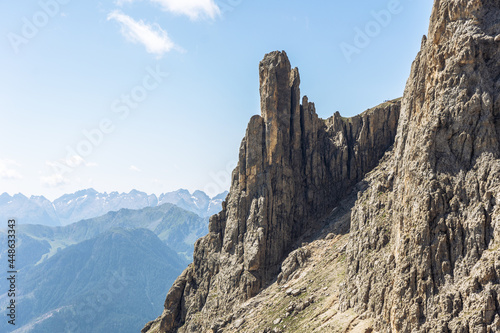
<point>194,9</point>
<point>75,161</point>
<point>54,180</point>
<point>8,171</point>
<point>153,37</point>
<point>134,168</point>
<point>62,167</point>
<point>72,162</point>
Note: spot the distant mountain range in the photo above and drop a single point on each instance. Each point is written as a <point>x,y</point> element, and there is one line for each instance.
<point>176,227</point>
<point>89,203</point>
<point>105,284</point>
<point>116,267</point>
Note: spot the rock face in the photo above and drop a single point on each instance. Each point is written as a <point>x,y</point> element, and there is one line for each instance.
<point>423,254</point>
<point>293,170</point>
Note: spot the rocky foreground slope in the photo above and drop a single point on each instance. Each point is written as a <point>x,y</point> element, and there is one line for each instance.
<point>318,233</point>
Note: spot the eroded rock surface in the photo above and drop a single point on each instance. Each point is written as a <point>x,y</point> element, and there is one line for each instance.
<point>423,253</point>
<point>293,170</point>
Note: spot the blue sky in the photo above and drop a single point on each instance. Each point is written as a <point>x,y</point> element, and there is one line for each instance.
<point>155,95</point>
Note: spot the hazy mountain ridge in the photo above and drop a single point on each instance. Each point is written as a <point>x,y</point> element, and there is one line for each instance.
<point>104,284</point>
<point>89,203</point>
<point>63,267</point>
<point>175,226</point>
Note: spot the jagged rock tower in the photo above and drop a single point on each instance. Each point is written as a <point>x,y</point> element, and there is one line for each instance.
<point>293,169</point>
<point>424,254</point>
<point>424,245</point>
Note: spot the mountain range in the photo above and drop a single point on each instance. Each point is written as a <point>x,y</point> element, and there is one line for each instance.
<point>89,203</point>
<point>115,267</point>
<point>104,284</point>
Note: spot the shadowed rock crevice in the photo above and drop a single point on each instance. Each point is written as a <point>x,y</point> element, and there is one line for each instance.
<point>294,168</point>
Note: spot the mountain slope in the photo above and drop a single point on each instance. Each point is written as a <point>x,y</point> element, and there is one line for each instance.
<point>105,284</point>
<point>176,227</point>
<point>436,199</point>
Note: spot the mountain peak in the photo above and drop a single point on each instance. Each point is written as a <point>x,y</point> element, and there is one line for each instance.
<point>221,196</point>
<point>448,15</point>
<point>19,196</point>
<point>5,196</point>
<point>285,181</point>
<point>275,75</point>
<point>88,191</point>
<point>200,194</point>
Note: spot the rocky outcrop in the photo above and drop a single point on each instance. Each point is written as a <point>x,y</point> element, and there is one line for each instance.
<point>423,254</point>
<point>293,169</point>
<point>295,260</point>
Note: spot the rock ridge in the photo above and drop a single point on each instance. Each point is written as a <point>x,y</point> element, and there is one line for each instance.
<point>293,169</point>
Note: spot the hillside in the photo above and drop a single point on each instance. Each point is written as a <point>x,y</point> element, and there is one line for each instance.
<point>62,267</point>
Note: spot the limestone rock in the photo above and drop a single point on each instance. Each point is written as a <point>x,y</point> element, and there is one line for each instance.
<point>295,260</point>
<point>293,169</point>
<point>424,242</point>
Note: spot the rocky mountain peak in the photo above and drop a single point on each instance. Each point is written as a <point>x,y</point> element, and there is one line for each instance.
<point>293,169</point>
<point>453,84</point>
<point>276,80</point>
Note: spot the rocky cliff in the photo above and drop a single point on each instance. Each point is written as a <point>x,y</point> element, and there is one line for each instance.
<point>293,169</point>
<point>423,253</point>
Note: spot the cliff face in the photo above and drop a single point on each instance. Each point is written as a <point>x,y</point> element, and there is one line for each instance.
<point>423,253</point>
<point>423,250</point>
<point>293,169</point>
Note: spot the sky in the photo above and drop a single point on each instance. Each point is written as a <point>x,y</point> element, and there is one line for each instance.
<point>155,95</point>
